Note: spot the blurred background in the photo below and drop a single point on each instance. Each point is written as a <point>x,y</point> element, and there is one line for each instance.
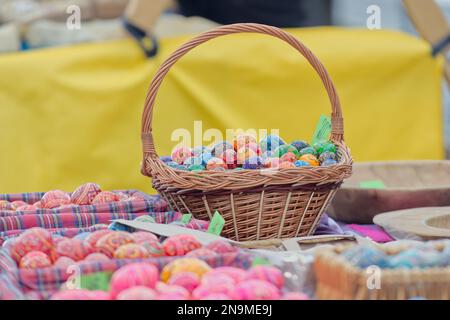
<point>73,81</point>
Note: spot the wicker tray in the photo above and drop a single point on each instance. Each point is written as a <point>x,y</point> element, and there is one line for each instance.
<point>337,279</point>
<point>284,204</point>
<point>409,184</point>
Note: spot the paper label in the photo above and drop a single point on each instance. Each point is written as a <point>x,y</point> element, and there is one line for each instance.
<point>186,218</point>
<point>216,224</point>
<point>323,130</point>
<point>373,184</point>
<point>96,281</point>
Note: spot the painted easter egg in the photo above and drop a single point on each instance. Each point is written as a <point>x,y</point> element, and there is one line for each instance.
<point>201,253</point>
<point>34,239</point>
<point>105,197</point>
<point>180,154</point>
<point>93,237</point>
<point>134,274</point>
<point>236,274</point>
<point>255,290</point>
<point>270,143</point>
<point>27,207</point>
<point>154,248</point>
<point>180,245</point>
<point>75,249</point>
<point>229,156</point>
<point>142,236</point>
<point>300,145</point>
<point>266,273</point>
<point>35,260</point>
<point>109,243</point>
<point>289,157</point>
<point>197,151</point>
<point>187,280</point>
<point>196,266</point>
<point>203,291</point>
<point>131,251</point>
<point>163,288</point>
<point>287,165</point>
<point>244,154</point>
<point>137,293</point>
<point>215,164</point>
<point>96,256</point>
<point>312,160</point>
<point>196,167</point>
<point>242,140</point>
<point>17,204</point>
<point>220,147</point>
<point>329,162</point>
<point>301,163</point>
<point>282,150</point>
<point>221,246</point>
<point>322,147</point>
<point>308,150</point>
<point>252,163</point>
<point>85,193</point>
<point>64,262</point>
<point>327,155</point>
<point>254,147</point>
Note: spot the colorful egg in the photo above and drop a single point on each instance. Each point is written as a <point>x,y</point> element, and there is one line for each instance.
<point>201,253</point>
<point>190,161</point>
<point>242,140</point>
<point>282,150</point>
<point>217,278</point>
<point>17,204</point>
<point>327,155</point>
<point>154,248</point>
<point>219,148</point>
<point>180,154</point>
<point>322,147</point>
<point>75,249</point>
<point>299,145</point>
<point>38,204</point>
<point>266,273</point>
<point>131,251</point>
<point>85,193</point>
<point>142,236</point>
<point>64,262</point>
<point>289,157</point>
<point>187,280</point>
<point>198,151</point>
<point>270,143</point>
<point>203,291</point>
<point>132,275</point>
<point>236,274</point>
<point>196,167</point>
<point>287,165</point>
<point>35,260</point>
<point>308,150</point>
<point>105,197</point>
<point>177,166</point>
<point>221,247</point>
<point>294,296</point>
<point>96,256</point>
<point>180,245</point>
<point>254,147</point>
<point>215,164</point>
<point>92,238</point>
<point>137,293</point>
<point>34,239</point>
<point>255,290</point>
<point>5,205</point>
<point>163,288</point>
<point>109,243</point>
<point>180,265</point>
<point>301,163</point>
<point>244,154</point>
<point>252,163</point>
<point>312,160</point>
<point>229,156</point>
<point>329,162</point>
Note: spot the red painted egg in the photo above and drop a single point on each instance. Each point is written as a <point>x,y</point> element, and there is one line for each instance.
<point>35,260</point>
<point>131,251</point>
<point>109,243</point>
<point>73,248</point>
<point>34,239</point>
<point>54,199</point>
<point>105,197</point>
<point>154,248</point>
<point>142,236</point>
<point>95,236</point>
<point>85,193</point>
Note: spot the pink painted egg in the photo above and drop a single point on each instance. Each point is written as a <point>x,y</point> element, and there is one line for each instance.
<point>215,278</point>
<point>54,199</point>
<point>131,275</point>
<point>75,249</point>
<point>187,280</point>
<point>215,164</point>
<point>85,193</point>
<point>266,273</point>
<point>236,274</point>
<point>163,288</point>
<point>64,262</point>
<point>201,253</point>
<point>35,260</point>
<point>154,248</point>
<point>27,207</point>
<point>229,156</point>
<point>18,204</point>
<point>203,290</point>
<point>92,238</point>
<point>34,239</point>
<point>171,296</point>
<point>180,245</point>
<point>255,290</point>
<point>131,251</point>
<point>295,296</point>
<point>221,247</point>
<point>137,293</point>
<point>38,204</point>
<point>96,256</point>
<point>105,197</point>
<point>180,154</point>
<point>142,236</point>
<point>109,243</point>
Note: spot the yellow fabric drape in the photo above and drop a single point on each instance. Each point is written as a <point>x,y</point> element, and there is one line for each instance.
<point>71,115</point>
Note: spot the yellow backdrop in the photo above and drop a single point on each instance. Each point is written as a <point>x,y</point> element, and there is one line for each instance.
<point>71,115</point>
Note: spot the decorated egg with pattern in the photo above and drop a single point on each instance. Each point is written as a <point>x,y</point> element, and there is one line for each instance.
<point>109,243</point>
<point>131,251</point>
<point>221,246</point>
<point>216,164</point>
<point>34,239</point>
<point>142,236</point>
<point>105,197</point>
<point>255,290</point>
<point>132,275</point>
<point>312,160</point>
<point>180,154</point>
<point>187,280</point>
<point>242,140</point>
<point>193,265</point>
<point>220,147</point>
<point>266,273</point>
<point>35,260</point>
<point>154,248</point>
<point>93,237</point>
<point>54,199</point>
<point>85,193</point>
<point>73,248</point>
<point>270,143</point>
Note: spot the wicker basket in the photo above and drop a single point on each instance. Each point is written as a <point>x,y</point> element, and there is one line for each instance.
<point>255,205</point>
<point>337,279</point>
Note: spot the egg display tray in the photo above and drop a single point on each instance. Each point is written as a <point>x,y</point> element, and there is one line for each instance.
<point>337,279</point>
<point>284,204</point>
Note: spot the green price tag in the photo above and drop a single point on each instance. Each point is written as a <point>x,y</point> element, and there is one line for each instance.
<point>96,281</point>
<point>259,261</point>
<point>323,130</point>
<point>145,219</point>
<point>374,184</point>
<point>216,224</point>
<point>186,218</point>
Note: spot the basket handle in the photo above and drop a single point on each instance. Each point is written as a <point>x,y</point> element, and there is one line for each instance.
<point>337,131</point>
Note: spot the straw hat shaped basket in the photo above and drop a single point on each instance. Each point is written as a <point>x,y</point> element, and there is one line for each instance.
<point>255,204</point>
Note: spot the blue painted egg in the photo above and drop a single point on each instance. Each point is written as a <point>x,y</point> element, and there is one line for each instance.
<point>301,163</point>
<point>327,155</point>
<point>270,143</point>
<point>252,163</point>
<point>299,145</point>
